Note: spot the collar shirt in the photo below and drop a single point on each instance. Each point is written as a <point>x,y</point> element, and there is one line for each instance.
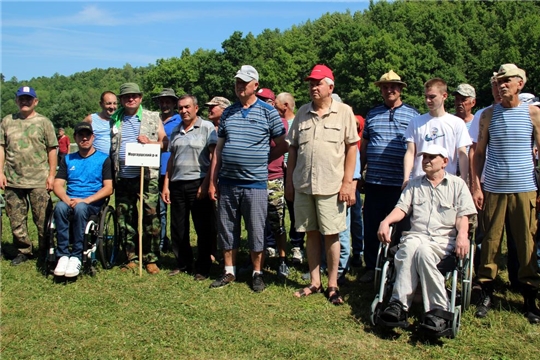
<point>320,143</point>
<point>434,210</point>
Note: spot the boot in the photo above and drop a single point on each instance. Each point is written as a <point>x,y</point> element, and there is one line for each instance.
<point>530,310</point>
<point>485,300</point>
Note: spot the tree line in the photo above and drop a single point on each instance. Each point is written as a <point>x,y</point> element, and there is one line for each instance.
<point>459,41</point>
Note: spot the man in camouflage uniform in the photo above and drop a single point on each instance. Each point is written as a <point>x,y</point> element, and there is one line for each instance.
<point>131,123</point>
<point>27,169</point>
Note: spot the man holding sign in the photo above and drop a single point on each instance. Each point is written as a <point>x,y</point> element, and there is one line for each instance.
<point>133,124</point>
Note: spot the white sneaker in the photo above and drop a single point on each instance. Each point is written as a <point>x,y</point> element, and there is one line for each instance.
<point>297,255</point>
<point>61,267</point>
<point>73,267</point>
<point>270,252</point>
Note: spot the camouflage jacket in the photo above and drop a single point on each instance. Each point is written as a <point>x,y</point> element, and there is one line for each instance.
<point>26,143</point>
<point>149,126</point>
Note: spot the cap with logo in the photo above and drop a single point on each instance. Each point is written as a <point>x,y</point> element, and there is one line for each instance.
<point>266,93</point>
<point>320,72</point>
<point>26,90</point>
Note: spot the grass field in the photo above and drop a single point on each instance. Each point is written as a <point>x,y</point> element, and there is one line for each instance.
<point>117,315</point>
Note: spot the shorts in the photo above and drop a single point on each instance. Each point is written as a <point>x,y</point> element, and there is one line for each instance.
<point>324,213</point>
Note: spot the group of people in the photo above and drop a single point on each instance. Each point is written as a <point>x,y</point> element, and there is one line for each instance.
<point>255,156</point>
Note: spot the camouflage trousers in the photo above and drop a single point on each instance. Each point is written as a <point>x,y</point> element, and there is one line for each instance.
<point>17,201</point>
<point>276,206</point>
<point>126,198</point>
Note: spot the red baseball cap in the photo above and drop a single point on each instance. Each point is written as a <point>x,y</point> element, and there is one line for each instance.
<point>320,72</point>
<point>266,93</point>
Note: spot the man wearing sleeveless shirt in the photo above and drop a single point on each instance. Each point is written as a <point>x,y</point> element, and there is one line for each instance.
<point>100,121</point>
<point>509,129</point>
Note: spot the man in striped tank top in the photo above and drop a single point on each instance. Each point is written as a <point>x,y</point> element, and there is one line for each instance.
<point>100,121</point>
<point>509,129</point>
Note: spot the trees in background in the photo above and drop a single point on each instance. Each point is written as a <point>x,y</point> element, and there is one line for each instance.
<point>459,41</point>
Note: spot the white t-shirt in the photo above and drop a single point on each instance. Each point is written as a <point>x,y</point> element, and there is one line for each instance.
<point>448,131</point>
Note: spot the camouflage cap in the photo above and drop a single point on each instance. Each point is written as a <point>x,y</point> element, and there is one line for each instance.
<point>465,90</point>
<point>220,101</point>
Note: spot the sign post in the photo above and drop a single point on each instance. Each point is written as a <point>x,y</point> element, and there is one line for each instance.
<point>142,155</point>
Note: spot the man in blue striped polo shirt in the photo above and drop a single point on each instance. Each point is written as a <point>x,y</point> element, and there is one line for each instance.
<point>241,166</point>
<point>383,148</point>
<point>509,129</point>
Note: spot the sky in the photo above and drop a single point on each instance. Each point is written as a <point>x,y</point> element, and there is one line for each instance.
<point>41,38</point>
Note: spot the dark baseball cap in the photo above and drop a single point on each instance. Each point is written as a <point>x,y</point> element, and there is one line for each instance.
<point>83,126</point>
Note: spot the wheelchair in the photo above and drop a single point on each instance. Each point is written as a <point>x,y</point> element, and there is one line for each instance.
<point>101,241</point>
<point>458,274</point>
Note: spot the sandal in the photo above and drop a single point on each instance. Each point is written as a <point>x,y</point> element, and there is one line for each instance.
<point>312,290</point>
<point>335,298</point>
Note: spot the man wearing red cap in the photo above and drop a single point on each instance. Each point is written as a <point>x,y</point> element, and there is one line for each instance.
<point>322,157</point>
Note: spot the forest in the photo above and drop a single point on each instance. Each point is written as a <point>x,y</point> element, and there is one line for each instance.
<point>459,41</point>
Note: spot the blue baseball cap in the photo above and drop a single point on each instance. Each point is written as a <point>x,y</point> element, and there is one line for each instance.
<point>26,90</point>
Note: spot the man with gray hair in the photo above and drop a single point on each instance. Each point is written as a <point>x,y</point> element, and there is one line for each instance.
<point>464,101</point>
<point>215,109</point>
<point>241,163</point>
<point>509,187</point>
<point>322,156</point>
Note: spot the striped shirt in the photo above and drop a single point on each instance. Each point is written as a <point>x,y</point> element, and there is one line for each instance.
<point>509,167</point>
<point>384,132</point>
<point>130,131</point>
<point>102,134</point>
<point>247,134</point>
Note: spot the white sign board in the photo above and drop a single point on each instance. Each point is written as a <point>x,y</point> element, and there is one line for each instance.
<point>143,154</point>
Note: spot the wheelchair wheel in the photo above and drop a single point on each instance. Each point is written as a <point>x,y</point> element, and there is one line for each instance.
<point>50,233</point>
<point>378,267</point>
<point>456,322</point>
<point>108,240</point>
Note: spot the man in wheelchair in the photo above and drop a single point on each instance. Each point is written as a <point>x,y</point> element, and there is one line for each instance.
<point>89,181</point>
<point>439,205</point>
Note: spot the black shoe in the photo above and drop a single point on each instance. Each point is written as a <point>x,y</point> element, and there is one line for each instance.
<point>394,314</point>
<point>258,283</point>
<point>223,280</point>
<point>19,259</point>
<point>483,305</point>
<point>530,310</point>
<point>356,261</point>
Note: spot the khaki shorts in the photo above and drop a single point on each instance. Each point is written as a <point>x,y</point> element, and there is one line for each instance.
<point>324,213</point>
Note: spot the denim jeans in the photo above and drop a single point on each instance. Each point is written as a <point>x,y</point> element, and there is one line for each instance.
<point>80,215</point>
<point>357,226</point>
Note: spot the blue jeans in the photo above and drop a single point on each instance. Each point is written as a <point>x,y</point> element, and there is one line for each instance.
<point>77,217</point>
<point>357,226</point>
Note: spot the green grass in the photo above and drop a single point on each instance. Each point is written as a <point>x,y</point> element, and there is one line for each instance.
<point>117,315</point>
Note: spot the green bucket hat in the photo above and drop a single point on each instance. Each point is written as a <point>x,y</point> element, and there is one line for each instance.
<point>129,88</point>
<point>166,92</point>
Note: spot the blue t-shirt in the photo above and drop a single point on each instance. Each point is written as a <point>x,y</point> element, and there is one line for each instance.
<point>165,155</point>
<point>247,134</point>
<point>384,132</point>
<point>84,176</point>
